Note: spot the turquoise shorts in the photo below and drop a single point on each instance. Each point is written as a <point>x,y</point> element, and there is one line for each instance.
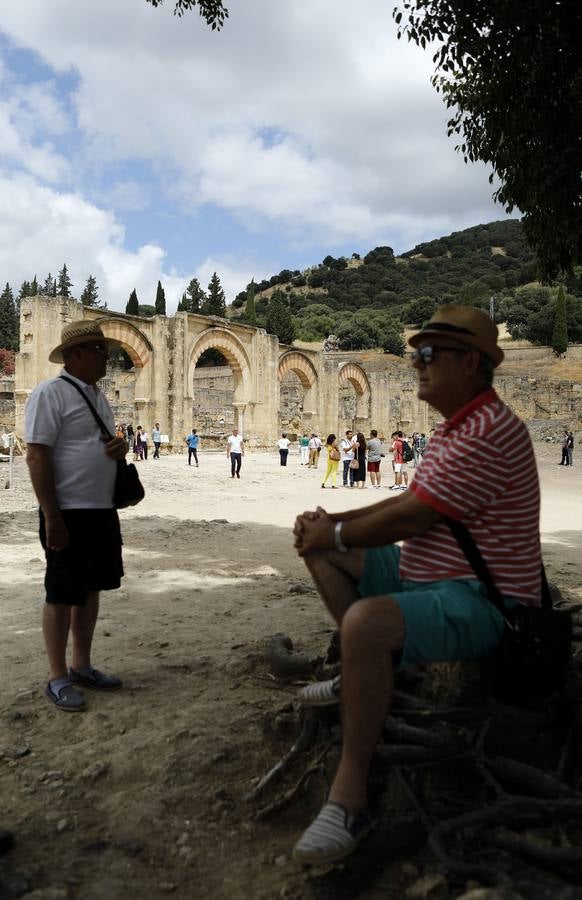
<point>444,620</point>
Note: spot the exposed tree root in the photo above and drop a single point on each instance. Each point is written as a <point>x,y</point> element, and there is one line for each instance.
<point>303,743</point>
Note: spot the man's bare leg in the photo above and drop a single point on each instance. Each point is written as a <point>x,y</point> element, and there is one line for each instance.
<point>336,576</point>
<point>371,631</point>
<point>83,621</point>
<point>56,620</point>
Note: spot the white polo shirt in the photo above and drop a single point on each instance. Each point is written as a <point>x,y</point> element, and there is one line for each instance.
<point>283,443</point>
<point>57,416</point>
<point>234,443</point>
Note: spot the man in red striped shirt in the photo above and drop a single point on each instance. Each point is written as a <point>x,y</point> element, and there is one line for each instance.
<point>422,603</point>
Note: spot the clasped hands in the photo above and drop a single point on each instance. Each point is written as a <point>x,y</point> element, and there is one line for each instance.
<point>313,530</point>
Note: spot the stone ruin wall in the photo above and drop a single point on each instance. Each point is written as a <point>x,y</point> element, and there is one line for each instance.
<point>381,394</point>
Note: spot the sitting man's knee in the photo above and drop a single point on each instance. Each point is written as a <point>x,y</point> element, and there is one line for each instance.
<point>374,620</point>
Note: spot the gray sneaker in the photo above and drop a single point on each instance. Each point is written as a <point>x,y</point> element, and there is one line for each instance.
<point>321,693</point>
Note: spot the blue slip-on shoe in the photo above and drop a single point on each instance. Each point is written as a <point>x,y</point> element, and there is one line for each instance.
<point>66,698</point>
<point>97,680</point>
<point>333,835</point>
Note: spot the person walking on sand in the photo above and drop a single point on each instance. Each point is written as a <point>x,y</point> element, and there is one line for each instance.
<point>235,449</point>
<point>283,445</point>
<point>304,450</point>
<point>144,442</point>
<point>333,458</point>
<point>374,457</point>
<point>313,455</point>
<point>192,440</point>
<point>157,440</point>
<point>137,445</point>
<point>73,469</point>
<point>570,448</point>
<point>564,460</point>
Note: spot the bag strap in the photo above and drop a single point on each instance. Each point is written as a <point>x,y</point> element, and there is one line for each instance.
<point>96,415</point>
<point>479,566</point>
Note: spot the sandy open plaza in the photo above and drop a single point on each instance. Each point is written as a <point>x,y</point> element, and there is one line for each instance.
<point>143,795</point>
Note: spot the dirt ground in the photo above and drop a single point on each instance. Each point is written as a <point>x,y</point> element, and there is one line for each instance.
<point>143,795</point>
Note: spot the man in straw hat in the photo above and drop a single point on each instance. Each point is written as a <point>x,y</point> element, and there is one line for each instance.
<point>420,603</point>
<point>72,468</point>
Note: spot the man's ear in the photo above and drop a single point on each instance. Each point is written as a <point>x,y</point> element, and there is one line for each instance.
<point>472,362</point>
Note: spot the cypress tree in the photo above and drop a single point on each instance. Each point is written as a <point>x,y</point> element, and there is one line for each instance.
<point>64,283</point>
<point>160,304</point>
<point>132,307</point>
<point>195,295</point>
<point>184,304</point>
<point>47,288</point>
<point>90,292</point>
<point>215,302</point>
<point>279,319</point>
<point>560,332</point>
<point>250,310</point>
<point>34,291</point>
<point>25,290</point>
<point>8,320</point>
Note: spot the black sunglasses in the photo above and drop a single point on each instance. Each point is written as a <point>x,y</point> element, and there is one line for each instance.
<point>429,353</point>
<point>97,348</point>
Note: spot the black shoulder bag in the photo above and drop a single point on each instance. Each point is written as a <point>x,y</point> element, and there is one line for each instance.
<point>128,489</point>
<point>534,654</point>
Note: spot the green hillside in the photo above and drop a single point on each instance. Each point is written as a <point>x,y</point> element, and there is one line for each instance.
<point>367,302</point>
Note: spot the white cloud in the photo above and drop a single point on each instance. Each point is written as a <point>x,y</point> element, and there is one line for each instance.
<point>42,228</point>
<point>305,116</point>
<point>234,274</point>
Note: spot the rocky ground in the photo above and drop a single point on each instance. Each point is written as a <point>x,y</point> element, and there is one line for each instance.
<point>144,795</point>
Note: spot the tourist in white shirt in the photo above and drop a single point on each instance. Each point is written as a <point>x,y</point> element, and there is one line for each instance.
<point>283,445</point>
<point>235,449</point>
<point>348,448</point>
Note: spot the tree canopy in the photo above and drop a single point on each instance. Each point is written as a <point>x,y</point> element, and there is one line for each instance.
<point>512,74</point>
<point>213,11</point>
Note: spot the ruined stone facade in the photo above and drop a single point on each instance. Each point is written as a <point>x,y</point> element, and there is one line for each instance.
<point>267,387</point>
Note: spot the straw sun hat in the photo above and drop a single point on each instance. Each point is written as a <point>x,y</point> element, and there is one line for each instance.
<point>465,323</point>
<point>84,331</point>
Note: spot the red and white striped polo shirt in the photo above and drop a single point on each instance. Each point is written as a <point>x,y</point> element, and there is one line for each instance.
<point>479,468</point>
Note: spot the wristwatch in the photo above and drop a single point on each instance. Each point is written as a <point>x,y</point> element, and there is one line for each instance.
<point>339,544</point>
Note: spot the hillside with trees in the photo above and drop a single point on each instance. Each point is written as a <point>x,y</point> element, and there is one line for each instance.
<point>367,302</point>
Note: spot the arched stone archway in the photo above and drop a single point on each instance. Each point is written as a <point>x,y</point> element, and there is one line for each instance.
<point>300,365</point>
<point>134,342</point>
<point>294,363</point>
<point>140,351</point>
<point>359,417</point>
<point>231,348</point>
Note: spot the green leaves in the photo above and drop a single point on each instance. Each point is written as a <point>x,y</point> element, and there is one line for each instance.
<point>513,73</point>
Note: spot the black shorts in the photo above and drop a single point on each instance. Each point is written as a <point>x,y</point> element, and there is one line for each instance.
<point>90,562</point>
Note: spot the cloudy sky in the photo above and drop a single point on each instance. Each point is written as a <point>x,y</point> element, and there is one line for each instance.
<point>136,146</point>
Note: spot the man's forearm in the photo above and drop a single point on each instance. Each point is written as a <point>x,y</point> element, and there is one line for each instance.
<point>388,522</point>
<point>43,481</point>
<point>351,514</point>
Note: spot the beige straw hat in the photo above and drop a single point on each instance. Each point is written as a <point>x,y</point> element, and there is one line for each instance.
<point>465,323</point>
<point>84,331</point>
